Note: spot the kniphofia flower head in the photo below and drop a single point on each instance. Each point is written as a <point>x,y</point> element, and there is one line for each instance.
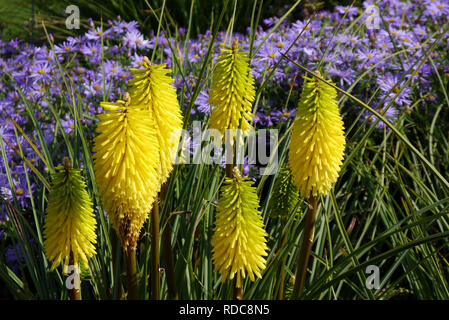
<point>239,243</point>
<point>232,92</point>
<point>152,90</point>
<point>69,230</point>
<point>126,167</point>
<point>284,196</point>
<point>318,141</point>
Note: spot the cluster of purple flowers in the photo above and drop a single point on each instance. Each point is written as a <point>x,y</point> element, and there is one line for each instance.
<point>385,55</point>
<point>96,66</point>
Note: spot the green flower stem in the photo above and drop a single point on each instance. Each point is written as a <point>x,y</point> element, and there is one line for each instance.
<point>75,294</point>
<point>306,248</point>
<point>281,270</point>
<point>169,266</point>
<point>155,251</point>
<point>131,273</point>
<point>116,263</point>
<point>168,250</point>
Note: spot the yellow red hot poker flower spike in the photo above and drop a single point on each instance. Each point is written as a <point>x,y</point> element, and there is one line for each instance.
<point>239,243</point>
<point>316,152</point>
<point>285,195</point>
<point>232,91</point>
<point>152,90</point>
<point>69,231</point>
<point>318,141</point>
<point>126,167</point>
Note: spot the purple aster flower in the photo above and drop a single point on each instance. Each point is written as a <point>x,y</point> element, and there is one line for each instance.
<point>420,31</point>
<point>368,57</point>
<point>112,69</point>
<point>298,27</point>
<point>67,124</point>
<point>42,54</point>
<point>91,48</point>
<point>436,8</point>
<point>350,11</point>
<point>345,57</point>
<point>41,72</point>
<point>289,114</point>
<point>136,61</point>
<point>407,39</point>
<point>134,39</point>
<point>390,115</point>
<point>122,26</point>
<point>97,33</point>
<point>391,83</point>
<point>65,47</point>
<point>94,88</point>
<point>383,43</point>
<point>345,75</point>
<point>393,21</point>
<point>35,92</point>
<point>202,102</point>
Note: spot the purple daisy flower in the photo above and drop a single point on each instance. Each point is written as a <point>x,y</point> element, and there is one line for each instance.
<point>134,39</point>
<point>41,72</point>
<point>97,33</point>
<point>389,84</point>
<point>390,115</point>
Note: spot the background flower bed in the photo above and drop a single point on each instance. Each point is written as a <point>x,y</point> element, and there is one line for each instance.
<point>52,94</point>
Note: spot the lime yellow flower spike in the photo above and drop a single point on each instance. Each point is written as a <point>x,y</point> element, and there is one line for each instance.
<point>126,167</point>
<point>232,91</point>
<point>318,141</point>
<point>152,90</point>
<point>316,152</point>
<point>69,231</point>
<point>239,243</point>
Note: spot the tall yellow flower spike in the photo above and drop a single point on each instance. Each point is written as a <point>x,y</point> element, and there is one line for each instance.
<point>232,92</point>
<point>125,167</point>
<point>152,90</point>
<point>70,223</point>
<point>239,243</point>
<point>318,142</point>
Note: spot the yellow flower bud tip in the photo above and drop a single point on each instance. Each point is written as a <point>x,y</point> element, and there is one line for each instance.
<point>317,142</point>
<point>67,163</point>
<point>236,173</point>
<point>152,90</point>
<point>69,229</point>
<point>239,239</point>
<point>232,91</point>
<point>126,167</point>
